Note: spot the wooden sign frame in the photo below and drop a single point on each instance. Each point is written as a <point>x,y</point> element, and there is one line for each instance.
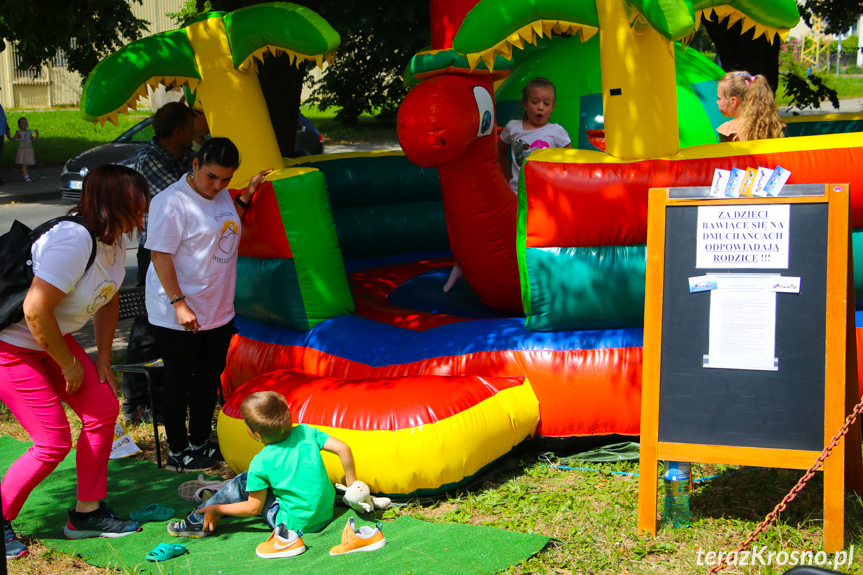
<point>840,361</point>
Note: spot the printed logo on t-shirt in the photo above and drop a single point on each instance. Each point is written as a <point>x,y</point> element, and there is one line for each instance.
<point>523,149</point>
<point>111,254</point>
<point>228,242</point>
<point>104,293</point>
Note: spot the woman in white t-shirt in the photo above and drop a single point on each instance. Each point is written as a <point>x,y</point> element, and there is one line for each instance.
<point>42,366</point>
<point>194,233</point>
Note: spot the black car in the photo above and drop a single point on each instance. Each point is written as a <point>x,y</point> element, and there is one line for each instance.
<point>125,149</point>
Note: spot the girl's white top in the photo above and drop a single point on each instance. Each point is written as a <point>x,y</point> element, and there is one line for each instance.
<point>522,142</point>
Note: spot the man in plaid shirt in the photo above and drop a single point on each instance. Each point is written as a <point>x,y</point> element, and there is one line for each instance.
<point>164,161</point>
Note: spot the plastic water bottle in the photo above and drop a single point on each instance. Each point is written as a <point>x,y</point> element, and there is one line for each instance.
<point>677,480</point>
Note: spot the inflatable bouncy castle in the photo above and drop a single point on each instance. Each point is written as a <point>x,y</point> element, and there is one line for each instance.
<point>339,301</point>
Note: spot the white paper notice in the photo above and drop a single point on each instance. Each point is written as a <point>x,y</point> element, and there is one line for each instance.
<point>741,237</point>
<point>743,323</point>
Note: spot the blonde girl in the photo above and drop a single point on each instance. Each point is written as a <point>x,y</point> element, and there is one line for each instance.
<point>749,101</point>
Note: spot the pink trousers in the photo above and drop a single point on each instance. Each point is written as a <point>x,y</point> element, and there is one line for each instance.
<point>33,388</point>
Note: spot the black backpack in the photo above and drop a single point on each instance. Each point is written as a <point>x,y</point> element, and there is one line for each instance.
<point>16,265</point>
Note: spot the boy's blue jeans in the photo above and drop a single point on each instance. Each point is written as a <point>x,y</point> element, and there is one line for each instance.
<point>235,492</point>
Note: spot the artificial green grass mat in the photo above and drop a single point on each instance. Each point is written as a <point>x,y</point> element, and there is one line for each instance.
<point>413,546</point>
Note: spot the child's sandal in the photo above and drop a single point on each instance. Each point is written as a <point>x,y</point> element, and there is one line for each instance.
<point>165,551</point>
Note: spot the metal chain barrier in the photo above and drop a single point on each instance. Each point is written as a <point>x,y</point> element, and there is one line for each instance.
<point>771,517</point>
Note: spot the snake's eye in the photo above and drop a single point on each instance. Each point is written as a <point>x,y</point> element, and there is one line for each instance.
<point>485,109</point>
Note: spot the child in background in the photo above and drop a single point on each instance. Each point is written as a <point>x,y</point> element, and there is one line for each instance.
<point>287,483</point>
<point>749,101</point>
<point>25,155</point>
<point>521,137</point>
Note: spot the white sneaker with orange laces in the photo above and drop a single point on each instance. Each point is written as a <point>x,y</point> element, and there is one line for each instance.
<point>282,543</point>
<point>363,539</point>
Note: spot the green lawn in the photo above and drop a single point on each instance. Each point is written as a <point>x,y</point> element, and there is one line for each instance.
<point>62,134</point>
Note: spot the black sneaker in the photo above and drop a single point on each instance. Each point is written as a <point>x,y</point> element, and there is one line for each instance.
<point>104,524</point>
<point>189,461</point>
<point>140,415</point>
<point>14,548</point>
<point>210,450</point>
<point>187,528</point>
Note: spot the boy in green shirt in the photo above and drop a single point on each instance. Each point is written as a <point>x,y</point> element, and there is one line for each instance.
<point>286,484</point>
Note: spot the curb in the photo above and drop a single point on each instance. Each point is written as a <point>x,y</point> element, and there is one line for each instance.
<point>29,197</point>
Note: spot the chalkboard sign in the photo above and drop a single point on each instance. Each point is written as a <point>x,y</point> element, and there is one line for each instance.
<point>727,406</point>
<point>748,329</point>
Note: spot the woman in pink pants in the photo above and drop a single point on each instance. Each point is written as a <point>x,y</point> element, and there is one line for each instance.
<point>42,366</point>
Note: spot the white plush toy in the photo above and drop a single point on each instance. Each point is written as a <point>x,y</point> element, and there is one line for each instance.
<point>359,497</point>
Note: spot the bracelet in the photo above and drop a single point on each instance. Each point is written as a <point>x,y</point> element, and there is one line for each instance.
<point>241,203</point>
<point>177,298</point>
<point>71,365</point>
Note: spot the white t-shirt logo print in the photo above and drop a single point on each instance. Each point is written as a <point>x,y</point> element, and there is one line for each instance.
<point>229,238</point>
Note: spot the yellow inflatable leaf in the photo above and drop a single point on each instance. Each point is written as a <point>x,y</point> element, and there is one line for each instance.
<point>505,50</point>
<point>488,59</point>
<point>515,40</point>
<point>537,28</point>
<point>527,34</point>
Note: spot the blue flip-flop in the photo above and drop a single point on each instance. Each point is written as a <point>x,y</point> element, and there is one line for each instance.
<point>152,512</point>
<point>165,551</point>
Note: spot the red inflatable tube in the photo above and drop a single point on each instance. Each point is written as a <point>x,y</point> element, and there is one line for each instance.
<point>399,403</point>
<point>580,203</point>
<point>600,394</point>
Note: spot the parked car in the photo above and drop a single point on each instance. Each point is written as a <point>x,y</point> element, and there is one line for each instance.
<point>125,149</point>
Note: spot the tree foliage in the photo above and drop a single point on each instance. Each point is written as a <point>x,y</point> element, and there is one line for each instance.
<point>808,92</point>
<point>837,15</point>
<point>188,11</point>
<point>738,50</point>
<point>85,30</point>
<point>378,41</point>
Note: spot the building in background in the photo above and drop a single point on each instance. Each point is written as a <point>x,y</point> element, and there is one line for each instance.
<point>54,84</point>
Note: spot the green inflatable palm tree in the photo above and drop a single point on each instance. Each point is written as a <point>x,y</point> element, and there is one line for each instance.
<point>216,55</point>
<point>636,55</point>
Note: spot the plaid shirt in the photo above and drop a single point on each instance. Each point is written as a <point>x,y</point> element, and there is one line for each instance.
<point>161,168</point>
